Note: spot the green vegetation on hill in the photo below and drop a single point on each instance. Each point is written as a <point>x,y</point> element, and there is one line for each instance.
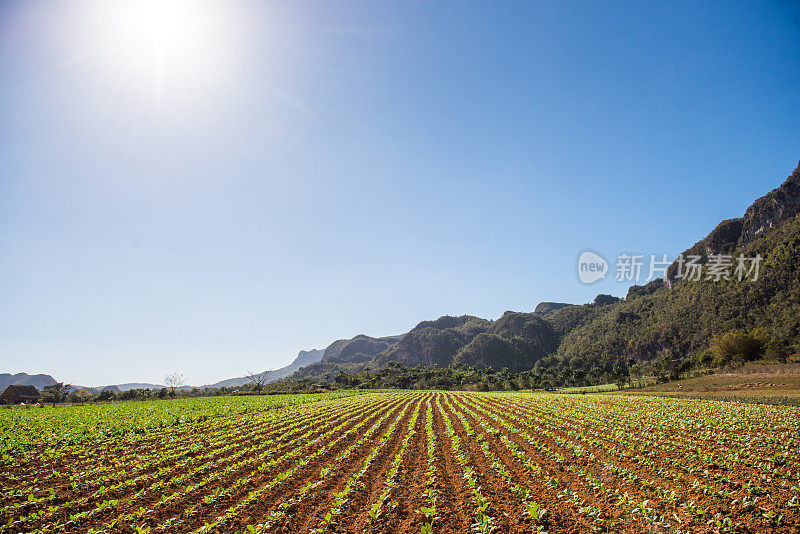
<point>514,341</point>
<point>673,328</point>
<point>357,350</point>
<point>546,308</point>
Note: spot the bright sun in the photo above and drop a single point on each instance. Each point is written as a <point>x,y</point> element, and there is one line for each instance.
<point>175,26</point>
<point>162,48</point>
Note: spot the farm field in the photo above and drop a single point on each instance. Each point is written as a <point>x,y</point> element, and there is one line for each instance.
<point>411,461</point>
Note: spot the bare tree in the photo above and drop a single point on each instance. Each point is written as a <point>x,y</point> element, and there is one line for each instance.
<point>173,380</point>
<point>259,380</point>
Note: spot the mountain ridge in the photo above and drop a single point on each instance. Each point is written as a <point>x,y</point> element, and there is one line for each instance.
<point>39,381</point>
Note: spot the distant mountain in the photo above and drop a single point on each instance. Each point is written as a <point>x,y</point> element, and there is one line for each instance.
<point>41,381</point>
<point>667,322</point>
<point>24,379</point>
<point>359,349</point>
<point>516,341</point>
<point>348,355</point>
<point>305,357</point>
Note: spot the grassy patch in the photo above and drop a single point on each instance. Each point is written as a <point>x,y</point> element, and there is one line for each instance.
<point>756,383</point>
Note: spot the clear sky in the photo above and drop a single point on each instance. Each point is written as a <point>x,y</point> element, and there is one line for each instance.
<point>210,187</point>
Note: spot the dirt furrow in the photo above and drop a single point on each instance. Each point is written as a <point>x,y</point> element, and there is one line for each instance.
<point>150,499</point>
<point>400,508</point>
<point>260,511</point>
<point>358,501</point>
<point>200,443</point>
<point>250,478</point>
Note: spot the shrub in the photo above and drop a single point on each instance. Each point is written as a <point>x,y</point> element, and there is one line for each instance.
<point>736,348</point>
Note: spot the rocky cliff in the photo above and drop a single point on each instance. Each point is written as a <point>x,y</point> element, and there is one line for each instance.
<point>774,208</point>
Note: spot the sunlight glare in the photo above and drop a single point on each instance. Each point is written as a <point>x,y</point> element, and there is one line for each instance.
<point>175,26</point>
<point>165,49</point>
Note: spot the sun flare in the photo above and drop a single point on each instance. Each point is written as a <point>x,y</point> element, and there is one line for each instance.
<point>158,49</point>
<point>174,26</point>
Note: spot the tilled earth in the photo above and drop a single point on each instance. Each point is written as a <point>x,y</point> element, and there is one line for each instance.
<point>442,462</point>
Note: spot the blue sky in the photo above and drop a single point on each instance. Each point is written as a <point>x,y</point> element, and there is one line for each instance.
<point>287,174</point>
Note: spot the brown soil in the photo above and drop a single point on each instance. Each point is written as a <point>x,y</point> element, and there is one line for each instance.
<point>577,440</point>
